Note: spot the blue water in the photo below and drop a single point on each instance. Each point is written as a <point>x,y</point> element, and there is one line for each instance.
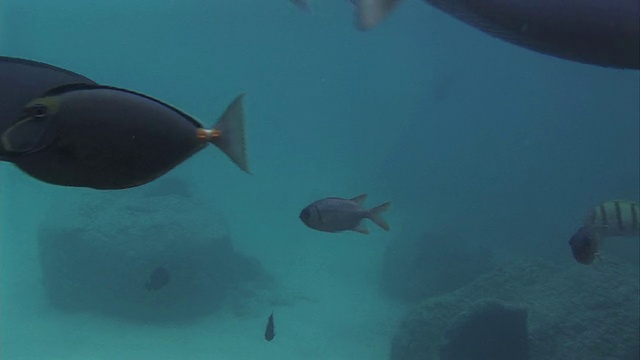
<point>464,133</point>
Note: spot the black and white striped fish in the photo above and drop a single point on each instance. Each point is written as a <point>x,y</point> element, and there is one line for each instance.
<point>610,218</point>
<point>615,218</point>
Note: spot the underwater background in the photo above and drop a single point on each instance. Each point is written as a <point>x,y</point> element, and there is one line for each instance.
<point>485,149</point>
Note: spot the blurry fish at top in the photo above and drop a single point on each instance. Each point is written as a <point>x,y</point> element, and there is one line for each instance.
<point>158,279</point>
<point>336,214</point>
<point>597,32</point>
<point>610,218</point>
<point>302,5</point>
<point>104,137</point>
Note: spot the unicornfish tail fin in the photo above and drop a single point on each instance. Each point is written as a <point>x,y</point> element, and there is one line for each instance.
<point>228,134</point>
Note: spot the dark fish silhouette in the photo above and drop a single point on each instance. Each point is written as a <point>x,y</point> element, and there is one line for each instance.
<point>584,245</point>
<point>158,279</point>
<point>23,80</point>
<point>336,214</point>
<point>269,332</point>
<point>109,138</point>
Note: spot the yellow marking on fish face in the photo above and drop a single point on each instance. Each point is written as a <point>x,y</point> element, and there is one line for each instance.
<point>35,113</point>
<point>41,107</point>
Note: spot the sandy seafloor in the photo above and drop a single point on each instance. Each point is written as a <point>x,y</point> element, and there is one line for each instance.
<point>337,311</point>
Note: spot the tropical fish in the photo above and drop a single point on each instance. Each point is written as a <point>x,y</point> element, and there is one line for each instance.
<point>335,214</point>
<point>598,32</point>
<point>104,137</point>
<point>23,80</point>
<point>270,332</point>
<point>610,218</point>
<point>615,218</point>
<point>584,245</point>
<point>158,279</point>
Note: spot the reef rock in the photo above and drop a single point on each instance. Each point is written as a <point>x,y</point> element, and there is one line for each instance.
<point>573,312</point>
<point>415,268</point>
<point>99,254</point>
<point>490,330</point>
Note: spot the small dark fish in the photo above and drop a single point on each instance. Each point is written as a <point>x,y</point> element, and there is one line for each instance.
<point>158,279</point>
<point>23,80</point>
<point>335,214</point>
<point>270,332</point>
<point>584,245</point>
<point>109,138</point>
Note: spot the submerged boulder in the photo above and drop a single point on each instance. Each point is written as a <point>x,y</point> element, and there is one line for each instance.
<point>489,330</point>
<point>415,268</point>
<point>573,312</point>
<point>99,256</point>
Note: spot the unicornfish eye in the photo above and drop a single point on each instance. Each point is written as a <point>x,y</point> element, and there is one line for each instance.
<point>39,110</point>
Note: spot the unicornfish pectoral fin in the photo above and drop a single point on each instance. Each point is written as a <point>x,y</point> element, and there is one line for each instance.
<point>230,137</point>
<point>25,136</point>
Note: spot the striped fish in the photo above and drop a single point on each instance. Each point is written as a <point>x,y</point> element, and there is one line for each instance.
<point>615,218</point>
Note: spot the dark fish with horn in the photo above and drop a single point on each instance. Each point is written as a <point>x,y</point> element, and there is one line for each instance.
<point>598,32</point>
<point>104,137</point>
